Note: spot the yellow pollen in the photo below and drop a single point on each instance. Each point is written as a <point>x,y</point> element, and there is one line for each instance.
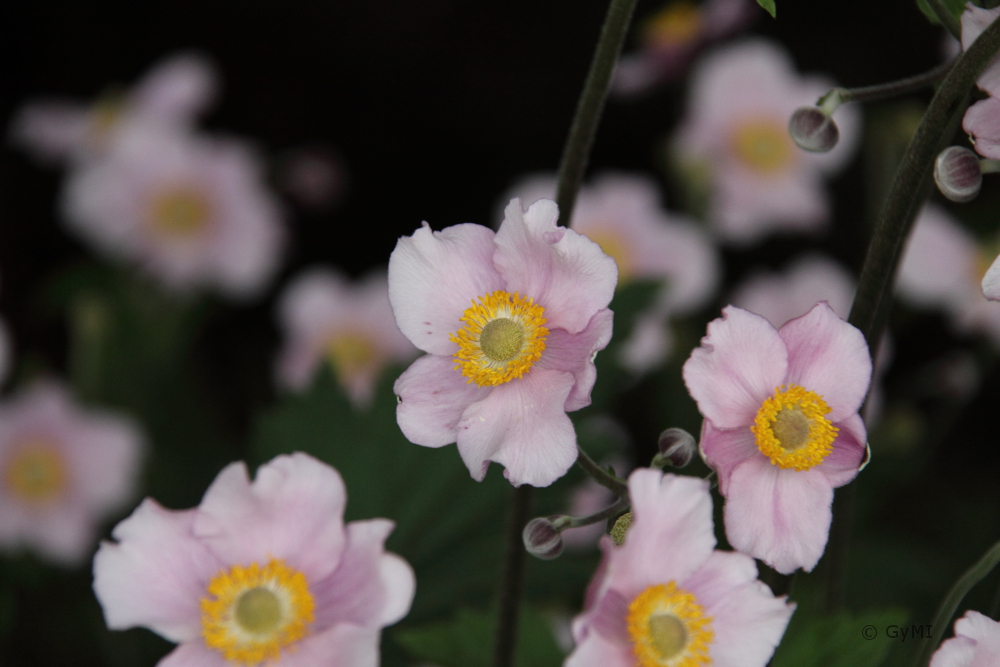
<point>791,428</point>
<point>251,613</point>
<point>179,212</point>
<point>502,338</point>
<point>613,245</point>
<point>763,145</point>
<point>676,24</point>
<point>350,353</point>
<point>35,472</point>
<point>668,628</point>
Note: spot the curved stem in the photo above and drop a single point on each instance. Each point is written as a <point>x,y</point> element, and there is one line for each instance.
<point>614,483</point>
<point>588,110</point>
<point>951,601</point>
<point>885,91</point>
<point>619,506</point>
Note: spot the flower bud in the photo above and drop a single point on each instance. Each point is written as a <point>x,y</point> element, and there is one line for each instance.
<point>958,174</point>
<point>677,448</point>
<point>620,528</point>
<point>813,130</point>
<point>542,539</point>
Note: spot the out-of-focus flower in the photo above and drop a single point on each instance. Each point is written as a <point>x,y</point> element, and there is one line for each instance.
<point>734,142</point>
<point>190,211</point>
<point>313,176</point>
<point>666,597</point>
<point>976,643</point>
<point>172,94</point>
<point>258,572</point>
<point>326,317</point>
<point>671,37</point>
<point>807,281</point>
<point>512,321</point>
<point>781,426</point>
<point>944,268</point>
<point>62,470</point>
<point>623,214</point>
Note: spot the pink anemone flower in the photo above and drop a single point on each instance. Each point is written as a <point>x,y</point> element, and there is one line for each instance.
<point>63,469</point>
<point>981,119</point>
<point>262,571</point>
<point>781,426</point>
<point>666,597</point>
<point>734,143</point>
<point>512,321</point>
<point>327,317</point>
<point>976,643</point>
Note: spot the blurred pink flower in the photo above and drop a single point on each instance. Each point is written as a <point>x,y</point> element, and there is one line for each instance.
<point>623,214</point>
<point>314,176</point>
<point>734,143</point>
<point>666,597</point>
<point>64,469</point>
<point>262,571</point>
<point>512,321</point>
<point>781,426</point>
<point>671,37</point>
<point>976,643</point>
<point>805,282</point>
<point>943,267</point>
<point>974,21</point>
<point>982,122</point>
<point>191,211</point>
<point>172,94</point>
<point>326,317</point>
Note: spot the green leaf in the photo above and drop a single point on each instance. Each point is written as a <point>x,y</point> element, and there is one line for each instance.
<point>769,6</point>
<point>838,641</point>
<point>467,641</point>
<point>954,7</point>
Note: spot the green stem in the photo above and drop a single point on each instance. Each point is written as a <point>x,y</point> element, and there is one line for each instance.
<point>588,110</point>
<point>951,601</point>
<point>511,579</point>
<point>619,507</point>
<point>883,91</point>
<point>615,484</point>
<point>946,19</point>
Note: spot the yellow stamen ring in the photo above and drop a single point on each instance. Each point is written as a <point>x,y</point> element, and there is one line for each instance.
<point>251,613</point>
<point>502,338</point>
<point>791,428</point>
<point>35,472</point>
<point>668,628</point>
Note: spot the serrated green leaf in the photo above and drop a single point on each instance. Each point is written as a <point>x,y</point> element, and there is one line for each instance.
<point>769,6</point>
<point>837,641</point>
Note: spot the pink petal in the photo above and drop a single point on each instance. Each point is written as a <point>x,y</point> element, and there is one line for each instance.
<point>737,367</point>
<point>849,450</point>
<point>830,357</point>
<point>747,619</point>
<point>981,122</point>
<point>991,282</point>
<point>156,573</point>
<point>779,516</point>
<point>609,618</point>
<point>433,395</point>
<point>343,645</point>
<point>974,21</point>
<point>648,345</point>
<point>53,130</point>
<point>176,89</point>
<point>194,654</point>
<point>293,511</point>
<point>955,652</point>
<point>562,270</point>
<point>522,425</point>
<point>574,353</point>
<point>939,261</point>
<point>434,278</point>
<point>595,651</point>
<point>723,450</point>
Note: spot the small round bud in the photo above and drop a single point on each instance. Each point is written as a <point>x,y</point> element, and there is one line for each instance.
<point>677,448</point>
<point>958,174</point>
<point>620,528</point>
<point>542,539</point>
<point>813,130</point>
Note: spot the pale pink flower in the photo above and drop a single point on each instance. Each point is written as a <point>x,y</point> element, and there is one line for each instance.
<point>943,267</point>
<point>191,211</point>
<point>171,94</point>
<point>512,321</point>
<point>976,643</point>
<point>63,469</point>
<point>260,572</point>
<point>734,142</point>
<point>780,297</point>
<point>326,317</point>
<point>671,37</point>
<point>781,426</point>
<point>623,214</point>
<point>666,597</point>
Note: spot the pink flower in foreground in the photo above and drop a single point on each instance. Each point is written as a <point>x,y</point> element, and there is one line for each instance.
<point>666,597</point>
<point>982,119</point>
<point>976,643</point>
<point>171,94</point>
<point>262,571</point>
<point>512,321</point>
<point>623,214</point>
<point>781,426</point>
<point>62,470</point>
<point>191,211</point>
<point>734,142</point>
<point>325,317</point>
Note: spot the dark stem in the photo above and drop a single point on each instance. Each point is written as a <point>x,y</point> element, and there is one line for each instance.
<point>946,19</point>
<point>951,601</point>
<point>588,110</point>
<point>887,91</point>
<point>620,506</point>
<point>511,578</point>
<point>615,484</point>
